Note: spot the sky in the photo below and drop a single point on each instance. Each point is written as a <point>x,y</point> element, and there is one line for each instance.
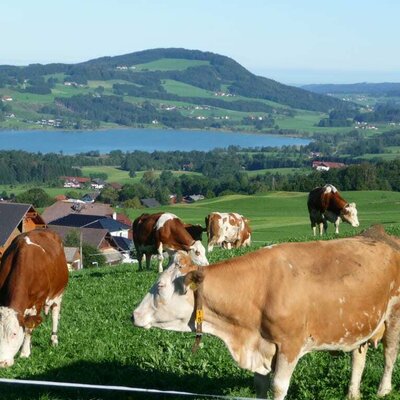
<point>292,41</point>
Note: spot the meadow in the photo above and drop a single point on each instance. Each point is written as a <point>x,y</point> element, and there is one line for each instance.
<point>99,345</point>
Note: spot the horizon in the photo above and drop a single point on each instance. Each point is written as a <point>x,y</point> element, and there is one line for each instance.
<point>298,44</point>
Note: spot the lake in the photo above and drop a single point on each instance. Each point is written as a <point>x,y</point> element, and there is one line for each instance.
<point>104,141</point>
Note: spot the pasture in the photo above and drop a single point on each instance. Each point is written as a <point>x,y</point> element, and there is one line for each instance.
<point>99,345</point>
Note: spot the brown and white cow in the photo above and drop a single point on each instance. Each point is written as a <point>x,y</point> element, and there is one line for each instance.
<point>227,229</point>
<point>326,204</point>
<point>156,233</point>
<point>276,304</point>
<point>33,276</point>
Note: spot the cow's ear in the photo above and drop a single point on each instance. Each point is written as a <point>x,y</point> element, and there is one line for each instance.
<point>353,205</point>
<point>193,279</point>
<point>32,321</point>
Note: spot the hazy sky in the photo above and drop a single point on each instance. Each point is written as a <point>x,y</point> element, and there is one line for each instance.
<point>292,41</point>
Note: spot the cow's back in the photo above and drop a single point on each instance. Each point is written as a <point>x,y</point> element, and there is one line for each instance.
<point>32,269</point>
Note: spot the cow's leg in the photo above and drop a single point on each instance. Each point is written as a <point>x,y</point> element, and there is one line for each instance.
<point>148,260</point>
<point>283,372</point>
<point>357,369</point>
<point>26,345</point>
<point>391,346</point>
<point>321,228</point>
<point>337,222</point>
<point>55,317</point>
<point>314,229</point>
<point>160,257</point>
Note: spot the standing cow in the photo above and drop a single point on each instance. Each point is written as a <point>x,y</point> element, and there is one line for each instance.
<point>274,305</point>
<point>33,276</point>
<point>227,230</point>
<point>156,233</point>
<point>326,204</point>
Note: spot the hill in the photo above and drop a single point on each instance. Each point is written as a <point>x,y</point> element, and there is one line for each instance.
<point>166,87</point>
<point>386,88</point>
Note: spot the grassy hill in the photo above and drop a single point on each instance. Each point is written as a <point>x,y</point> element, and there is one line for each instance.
<point>163,87</point>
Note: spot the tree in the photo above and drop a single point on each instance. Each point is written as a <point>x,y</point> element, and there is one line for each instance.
<point>36,196</point>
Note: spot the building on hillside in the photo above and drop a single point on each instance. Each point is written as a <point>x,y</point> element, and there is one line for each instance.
<point>113,226</point>
<point>326,165</point>
<point>150,203</point>
<point>17,218</point>
<point>101,239</point>
<point>193,198</point>
<point>62,208</point>
<point>73,257</point>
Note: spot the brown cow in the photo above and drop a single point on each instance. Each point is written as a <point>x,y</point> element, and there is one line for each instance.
<point>227,229</point>
<point>326,204</point>
<point>274,305</point>
<point>33,276</point>
<point>156,233</point>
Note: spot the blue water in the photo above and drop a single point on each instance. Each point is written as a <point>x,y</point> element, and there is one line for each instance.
<point>104,141</point>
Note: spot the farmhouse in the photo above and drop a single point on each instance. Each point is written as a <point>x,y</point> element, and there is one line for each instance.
<point>326,165</point>
<point>16,218</point>
<point>62,208</point>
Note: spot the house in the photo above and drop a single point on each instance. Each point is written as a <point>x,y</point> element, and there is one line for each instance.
<point>62,208</point>
<point>326,165</point>
<point>97,184</point>
<point>74,181</point>
<point>90,197</point>
<point>16,218</point>
<point>101,239</point>
<point>193,198</point>
<point>151,202</point>
<point>73,257</point>
<point>114,227</point>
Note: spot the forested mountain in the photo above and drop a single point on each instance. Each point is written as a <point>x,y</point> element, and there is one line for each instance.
<point>386,88</point>
<point>174,88</point>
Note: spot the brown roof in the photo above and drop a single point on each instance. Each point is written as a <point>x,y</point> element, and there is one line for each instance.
<point>62,208</point>
<point>94,237</point>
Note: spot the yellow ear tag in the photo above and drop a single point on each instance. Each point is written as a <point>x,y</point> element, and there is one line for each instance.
<point>199,316</point>
<point>193,286</point>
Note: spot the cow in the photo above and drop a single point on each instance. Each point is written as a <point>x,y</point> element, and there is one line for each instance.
<point>156,233</point>
<point>326,204</point>
<point>276,304</point>
<point>33,276</point>
<point>227,229</point>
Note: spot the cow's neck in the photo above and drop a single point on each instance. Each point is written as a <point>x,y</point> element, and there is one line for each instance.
<point>232,313</point>
<point>336,204</point>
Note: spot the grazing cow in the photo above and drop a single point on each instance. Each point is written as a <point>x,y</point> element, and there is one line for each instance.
<point>227,229</point>
<point>33,276</point>
<point>326,204</point>
<point>276,304</point>
<point>156,233</point>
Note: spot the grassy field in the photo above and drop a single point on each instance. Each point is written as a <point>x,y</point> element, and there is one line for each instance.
<point>99,345</point>
<point>170,64</point>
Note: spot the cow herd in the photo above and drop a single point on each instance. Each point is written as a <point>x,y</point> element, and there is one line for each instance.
<point>270,307</point>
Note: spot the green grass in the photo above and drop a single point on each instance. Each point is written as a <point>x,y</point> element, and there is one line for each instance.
<point>99,345</point>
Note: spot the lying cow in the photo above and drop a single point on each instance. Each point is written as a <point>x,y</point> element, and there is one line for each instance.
<point>326,204</point>
<point>227,230</point>
<point>33,276</point>
<point>274,305</point>
<point>156,233</point>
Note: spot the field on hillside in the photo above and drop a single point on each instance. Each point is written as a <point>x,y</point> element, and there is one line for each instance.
<point>284,216</point>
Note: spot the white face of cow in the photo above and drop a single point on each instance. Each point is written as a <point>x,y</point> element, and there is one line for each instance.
<point>11,336</point>
<point>167,305</point>
<point>198,254</point>
<point>349,215</point>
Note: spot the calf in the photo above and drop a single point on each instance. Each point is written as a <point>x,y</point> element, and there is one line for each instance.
<point>227,230</point>
<point>156,233</point>
<point>33,276</point>
<point>326,204</point>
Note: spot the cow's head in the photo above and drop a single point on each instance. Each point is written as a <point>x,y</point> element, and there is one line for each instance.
<point>169,303</point>
<point>12,326</point>
<point>349,214</point>
<point>197,253</point>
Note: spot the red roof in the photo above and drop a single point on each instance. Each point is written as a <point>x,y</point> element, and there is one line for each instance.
<point>79,179</point>
<point>327,164</point>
